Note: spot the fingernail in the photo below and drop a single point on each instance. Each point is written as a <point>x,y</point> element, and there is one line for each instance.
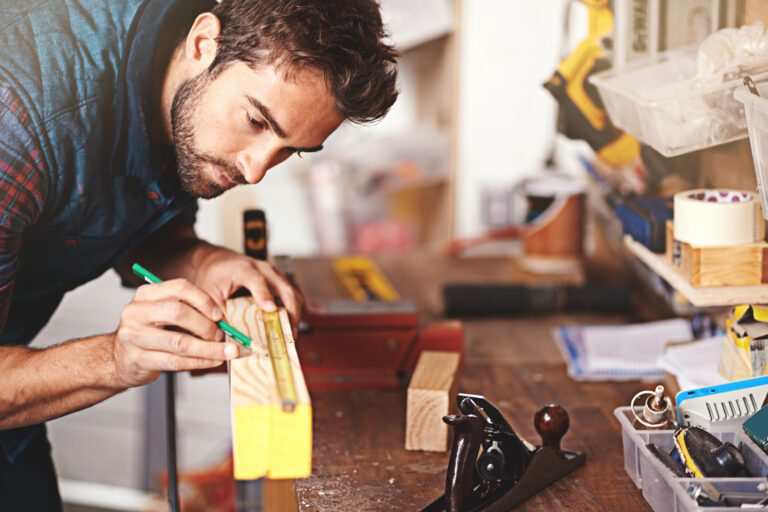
<point>219,335</point>
<point>216,313</point>
<point>231,351</point>
<point>269,306</point>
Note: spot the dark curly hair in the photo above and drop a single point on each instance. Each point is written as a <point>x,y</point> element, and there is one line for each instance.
<point>340,39</point>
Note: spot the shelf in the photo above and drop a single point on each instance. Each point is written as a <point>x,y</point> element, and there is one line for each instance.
<point>697,295</point>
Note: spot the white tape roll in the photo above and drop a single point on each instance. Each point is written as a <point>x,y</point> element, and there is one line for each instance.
<point>709,218</point>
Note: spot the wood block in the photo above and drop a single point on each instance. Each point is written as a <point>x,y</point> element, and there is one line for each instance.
<point>735,265</point>
<point>698,295</point>
<point>266,441</point>
<point>430,394</point>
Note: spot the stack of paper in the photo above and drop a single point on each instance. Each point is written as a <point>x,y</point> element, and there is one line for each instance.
<point>694,364</point>
<point>619,352</point>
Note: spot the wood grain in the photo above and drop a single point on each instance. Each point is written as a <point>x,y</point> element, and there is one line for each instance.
<point>698,295</point>
<point>429,398</point>
<point>755,10</point>
<point>558,233</point>
<point>736,265</point>
<point>266,440</point>
<point>278,496</point>
<point>360,463</point>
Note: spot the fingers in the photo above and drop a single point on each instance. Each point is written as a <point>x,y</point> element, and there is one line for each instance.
<point>184,291</point>
<point>147,338</point>
<point>278,284</point>
<point>164,361</point>
<point>172,313</point>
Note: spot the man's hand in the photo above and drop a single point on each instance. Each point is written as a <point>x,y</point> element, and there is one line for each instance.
<point>168,326</point>
<point>221,272</point>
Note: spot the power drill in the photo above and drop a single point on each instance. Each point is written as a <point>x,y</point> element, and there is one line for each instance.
<point>581,109</point>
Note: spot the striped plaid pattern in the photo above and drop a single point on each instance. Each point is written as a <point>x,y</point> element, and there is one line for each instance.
<point>23,187</point>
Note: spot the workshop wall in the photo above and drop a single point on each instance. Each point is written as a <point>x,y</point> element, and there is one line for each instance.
<point>506,125</point>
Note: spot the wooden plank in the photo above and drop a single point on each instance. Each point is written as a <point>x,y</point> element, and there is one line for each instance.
<point>279,496</point>
<point>698,295</point>
<point>266,440</point>
<point>430,394</point>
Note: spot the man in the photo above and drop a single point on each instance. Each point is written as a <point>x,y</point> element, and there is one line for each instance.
<point>114,116</point>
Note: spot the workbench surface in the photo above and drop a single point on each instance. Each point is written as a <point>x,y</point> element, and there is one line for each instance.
<point>359,460</point>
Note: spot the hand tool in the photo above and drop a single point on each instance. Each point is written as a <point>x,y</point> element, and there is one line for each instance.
<point>670,460</point>
<point>582,113</point>
<point>491,467</point>
<point>280,362</point>
<point>255,223</point>
<point>363,279</point>
<point>657,410</point>
<point>724,407</point>
<point>351,344</point>
<point>705,456</point>
<point>707,495</point>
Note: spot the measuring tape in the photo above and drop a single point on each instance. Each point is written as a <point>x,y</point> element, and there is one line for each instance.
<point>280,362</point>
<point>363,279</point>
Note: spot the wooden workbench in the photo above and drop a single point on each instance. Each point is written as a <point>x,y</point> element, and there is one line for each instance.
<point>360,463</point>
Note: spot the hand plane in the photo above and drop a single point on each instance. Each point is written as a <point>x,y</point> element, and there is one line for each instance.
<point>492,469</point>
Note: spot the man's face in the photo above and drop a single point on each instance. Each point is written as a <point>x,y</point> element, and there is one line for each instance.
<point>230,130</point>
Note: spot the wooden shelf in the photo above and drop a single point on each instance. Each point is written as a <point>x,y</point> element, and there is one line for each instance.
<point>697,295</point>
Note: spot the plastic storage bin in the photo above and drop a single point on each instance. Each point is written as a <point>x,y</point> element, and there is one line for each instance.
<point>756,112</point>
<point>661,104</point>
<point>666,493</point>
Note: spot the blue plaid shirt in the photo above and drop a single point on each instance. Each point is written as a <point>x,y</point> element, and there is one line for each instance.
<point>82,179</point>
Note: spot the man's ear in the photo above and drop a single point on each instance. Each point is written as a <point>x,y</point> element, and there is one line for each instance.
<point>200,45</point>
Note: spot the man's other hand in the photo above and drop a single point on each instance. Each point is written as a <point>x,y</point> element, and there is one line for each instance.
<point>222,272</point>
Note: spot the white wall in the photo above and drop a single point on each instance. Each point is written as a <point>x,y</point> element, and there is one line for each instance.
<point>506,118</point>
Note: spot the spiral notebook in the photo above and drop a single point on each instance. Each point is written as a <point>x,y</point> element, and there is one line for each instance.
<point>619,352</point>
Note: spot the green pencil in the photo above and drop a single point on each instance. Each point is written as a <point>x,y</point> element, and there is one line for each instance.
<point>228,329</point>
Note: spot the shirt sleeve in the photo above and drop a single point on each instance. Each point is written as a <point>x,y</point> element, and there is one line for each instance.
<point>23,187</point>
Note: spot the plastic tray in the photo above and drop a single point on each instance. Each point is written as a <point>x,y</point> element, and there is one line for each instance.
<point>661,104</point>
<point>661,489</point>
<point>756,111</point>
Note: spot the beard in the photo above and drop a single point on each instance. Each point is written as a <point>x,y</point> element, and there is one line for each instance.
<point>191,160</point>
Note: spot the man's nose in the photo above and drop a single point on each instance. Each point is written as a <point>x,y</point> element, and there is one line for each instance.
<point>255,162</point>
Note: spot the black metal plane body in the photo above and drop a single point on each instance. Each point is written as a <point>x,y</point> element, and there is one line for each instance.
<point>491,468</point>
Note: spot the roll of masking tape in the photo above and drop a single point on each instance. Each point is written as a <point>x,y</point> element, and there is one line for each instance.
<point>709,218</point>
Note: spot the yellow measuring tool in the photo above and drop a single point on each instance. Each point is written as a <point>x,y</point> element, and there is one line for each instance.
<point>363,279</point>
<point>280,362</point>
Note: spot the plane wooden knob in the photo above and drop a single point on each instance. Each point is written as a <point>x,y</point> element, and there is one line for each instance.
<point>551,422</point>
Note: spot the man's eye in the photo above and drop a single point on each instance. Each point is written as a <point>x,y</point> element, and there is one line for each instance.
<point>253,122</point>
